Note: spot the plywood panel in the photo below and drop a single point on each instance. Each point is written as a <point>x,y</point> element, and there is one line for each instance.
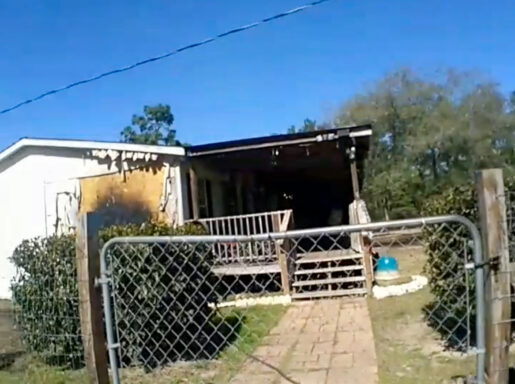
<point>133,197</point>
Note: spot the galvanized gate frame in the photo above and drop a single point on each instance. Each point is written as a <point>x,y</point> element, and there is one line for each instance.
<point>477,265</point>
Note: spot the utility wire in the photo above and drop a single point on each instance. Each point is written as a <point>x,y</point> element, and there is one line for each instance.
<point>164,56</point>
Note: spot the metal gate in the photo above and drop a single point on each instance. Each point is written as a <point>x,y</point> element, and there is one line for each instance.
<point>175,311</point>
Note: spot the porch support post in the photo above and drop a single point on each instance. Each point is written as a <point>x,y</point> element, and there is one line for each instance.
<point>354,171</point>
<point>194,193</point>
<point>354,218</point>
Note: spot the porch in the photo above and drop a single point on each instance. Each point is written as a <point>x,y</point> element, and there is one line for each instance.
<point>306,267</point>
<point>278,183</point>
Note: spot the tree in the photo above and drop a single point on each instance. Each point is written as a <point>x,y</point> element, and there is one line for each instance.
<point>308,126</point>
<point>429,133</point>
<point>154,128</point>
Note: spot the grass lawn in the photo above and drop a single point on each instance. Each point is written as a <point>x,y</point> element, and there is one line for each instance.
<point>408,351</point>
<point>29,372</point>
<point>256,323</point>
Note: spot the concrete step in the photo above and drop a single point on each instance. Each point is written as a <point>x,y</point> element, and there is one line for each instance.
<point>335,293</point>
<point>329,270</point>
<point>338,280</point>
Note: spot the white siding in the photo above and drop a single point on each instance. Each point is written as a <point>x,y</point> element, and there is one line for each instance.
<point>30,181</point>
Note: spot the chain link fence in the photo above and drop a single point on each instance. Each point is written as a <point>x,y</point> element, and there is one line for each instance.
<point>509,271</point>
<point>510,214</point>
<point>21,361</point>
<point>177,311</point>
<point>40,338</point>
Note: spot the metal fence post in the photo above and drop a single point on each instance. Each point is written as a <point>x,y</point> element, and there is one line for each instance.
<point>492,211</point>
<point>90,299</point>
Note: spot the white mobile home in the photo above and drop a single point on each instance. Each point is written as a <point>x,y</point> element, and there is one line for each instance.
<point>45,183</point>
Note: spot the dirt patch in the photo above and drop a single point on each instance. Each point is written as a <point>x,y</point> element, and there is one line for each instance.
<point>179,373</point>
<point>411,259</point>
<point>408,350</point>
<point>418,336</point>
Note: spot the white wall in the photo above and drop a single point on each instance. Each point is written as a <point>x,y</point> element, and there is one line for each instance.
<point>29,183</point>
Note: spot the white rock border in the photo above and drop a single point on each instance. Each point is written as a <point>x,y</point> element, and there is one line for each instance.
<point>417,283</point>
<point>253,301</point>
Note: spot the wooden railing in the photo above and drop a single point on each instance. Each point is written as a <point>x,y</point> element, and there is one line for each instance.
<point>251,224</point>
<point>358,214</point>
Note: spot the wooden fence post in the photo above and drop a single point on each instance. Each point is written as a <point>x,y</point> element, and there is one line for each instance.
<point>90,300</point>
<point>492,211</point>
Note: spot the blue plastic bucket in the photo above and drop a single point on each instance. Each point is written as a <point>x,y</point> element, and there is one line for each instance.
<point>387,268</point>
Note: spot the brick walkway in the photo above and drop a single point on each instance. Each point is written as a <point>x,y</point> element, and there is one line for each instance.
<point>317,342</point>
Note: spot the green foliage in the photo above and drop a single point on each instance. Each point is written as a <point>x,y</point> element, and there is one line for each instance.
<point>430,133</point>
<point>393,201</point>
<point>456,200</point>
<point>161,297</point>
<point>151,228</point>
<point>154,128</point>
<point>308,126</point>
<point>447,247</point>
<point>45,296</point>
<point>45,290</point>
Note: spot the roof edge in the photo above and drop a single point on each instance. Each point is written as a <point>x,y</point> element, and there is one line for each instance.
<point>81,144</point>
<point>278,140</point>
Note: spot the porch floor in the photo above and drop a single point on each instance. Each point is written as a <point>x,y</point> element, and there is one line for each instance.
<point>244,269</point>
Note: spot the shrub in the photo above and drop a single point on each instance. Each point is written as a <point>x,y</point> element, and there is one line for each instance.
<point>447,247</point>
<point>162,293</point>
<point>45,297</point>
<point>161,296</point>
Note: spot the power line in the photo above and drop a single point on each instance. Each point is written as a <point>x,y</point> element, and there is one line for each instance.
<point>164,56</point>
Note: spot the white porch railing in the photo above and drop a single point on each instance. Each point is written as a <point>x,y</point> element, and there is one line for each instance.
<point>258,252</point>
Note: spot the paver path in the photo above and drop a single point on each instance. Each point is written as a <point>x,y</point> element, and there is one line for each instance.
<point>317,342</point>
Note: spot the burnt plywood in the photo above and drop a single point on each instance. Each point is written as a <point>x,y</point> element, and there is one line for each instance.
<point>133,197</point>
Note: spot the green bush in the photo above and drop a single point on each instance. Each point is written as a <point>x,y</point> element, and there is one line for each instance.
<point>161,297</point>
<point>45,293</point>
<point>447,247</point>
<point>45,297</point>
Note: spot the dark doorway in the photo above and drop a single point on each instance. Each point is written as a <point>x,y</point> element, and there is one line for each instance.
<point>316,201</point>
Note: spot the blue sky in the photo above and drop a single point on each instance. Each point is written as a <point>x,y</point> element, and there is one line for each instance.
<point>254,83</point>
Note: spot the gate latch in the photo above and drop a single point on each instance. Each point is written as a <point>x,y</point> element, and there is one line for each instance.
<point>99,281</point>
<point>493,263</point>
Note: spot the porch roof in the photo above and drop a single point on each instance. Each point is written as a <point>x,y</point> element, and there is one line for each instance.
<point>361,134</point>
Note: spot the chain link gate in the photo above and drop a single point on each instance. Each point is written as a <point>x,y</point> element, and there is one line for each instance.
<point>179,310</point>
